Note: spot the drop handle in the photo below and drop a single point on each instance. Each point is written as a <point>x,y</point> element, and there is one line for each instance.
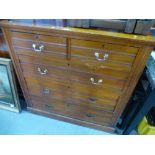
<point>92,100</point>
<point>99,56</point>
<point>48,106</point>
<point>38,48</point>
<point>42,71</point>
<point>45,91</point>
<point>90,115</point>
<point>98,82</point>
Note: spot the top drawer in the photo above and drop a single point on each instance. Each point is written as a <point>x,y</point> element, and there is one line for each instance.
<point>116,53</point>
<point>25,43</point>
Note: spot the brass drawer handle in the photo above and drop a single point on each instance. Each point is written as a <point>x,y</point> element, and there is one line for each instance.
<point>48,106</point>
<point>90,115</point>
<point>42,71</point>
<point>46,91</point>
<point>92,99</point>
<point>38,48</point>
<point>96,83</point>
<point>98,56</point>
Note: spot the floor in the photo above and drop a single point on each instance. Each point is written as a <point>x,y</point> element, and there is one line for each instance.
<point>27,123</point>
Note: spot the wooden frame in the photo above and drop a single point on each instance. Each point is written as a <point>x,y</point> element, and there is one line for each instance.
<point>13,105</point>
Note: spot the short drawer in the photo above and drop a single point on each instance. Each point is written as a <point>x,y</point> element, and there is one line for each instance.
<point>31,44</point>
<point>83,113</point>
<point>103,55</point>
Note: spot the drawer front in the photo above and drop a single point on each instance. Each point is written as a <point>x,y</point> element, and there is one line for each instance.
<point>64,74</point>
<point>76,72</point>
<point>73,98</point>
<point>103,55</point>
<point>31,44</point>
<point>83,113</point>
<point>52,88</point>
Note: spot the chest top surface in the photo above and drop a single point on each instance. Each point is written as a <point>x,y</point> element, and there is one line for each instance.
<point>80,32</point>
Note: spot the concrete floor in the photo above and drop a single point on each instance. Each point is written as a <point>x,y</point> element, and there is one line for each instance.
<point>26,123</point>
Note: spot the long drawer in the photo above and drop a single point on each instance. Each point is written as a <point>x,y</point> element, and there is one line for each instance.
<point>60,61</point>
<point>65,94</point>
<point>83,113</point>
<point>64,74</point>
<point>74,98</point>
<point>33,82</point>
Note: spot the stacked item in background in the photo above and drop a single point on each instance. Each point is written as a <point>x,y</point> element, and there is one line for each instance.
<point>147,125</point>
<point>134,26</point>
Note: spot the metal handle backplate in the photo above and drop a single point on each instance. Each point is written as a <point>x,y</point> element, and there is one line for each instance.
<point>98,82</point>
<point>48,106</point>
<point>90,115</point>
<point>45,91</point>
<point>99,56</point>
<point>42,71</point>
<point>38,48</point>
<point>92,99</point>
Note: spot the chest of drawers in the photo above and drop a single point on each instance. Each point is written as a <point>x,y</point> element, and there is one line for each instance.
<point>81,76</point>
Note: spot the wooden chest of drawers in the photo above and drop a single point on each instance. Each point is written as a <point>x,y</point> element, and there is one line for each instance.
<point>81,76</point>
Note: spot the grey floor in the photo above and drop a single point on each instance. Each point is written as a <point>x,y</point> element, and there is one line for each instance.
<point>26,123</point>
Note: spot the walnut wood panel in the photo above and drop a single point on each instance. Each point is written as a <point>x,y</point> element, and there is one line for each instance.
<point>73,50</point>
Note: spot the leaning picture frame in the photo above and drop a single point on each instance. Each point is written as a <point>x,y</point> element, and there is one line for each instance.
<point>9,98</point>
